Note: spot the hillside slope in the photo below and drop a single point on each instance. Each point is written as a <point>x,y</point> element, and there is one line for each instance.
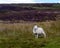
<point>29,12</point>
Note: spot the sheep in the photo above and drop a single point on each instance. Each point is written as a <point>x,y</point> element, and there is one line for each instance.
<point>38,31</point>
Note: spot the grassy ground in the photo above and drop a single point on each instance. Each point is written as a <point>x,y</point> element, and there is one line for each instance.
<point>19,35</point>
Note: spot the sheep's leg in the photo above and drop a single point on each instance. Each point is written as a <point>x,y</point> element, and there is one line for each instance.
<point>44,35</point>
<point>36,36</point>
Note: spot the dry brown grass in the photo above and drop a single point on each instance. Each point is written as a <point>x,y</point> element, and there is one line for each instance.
<point>19,35</point>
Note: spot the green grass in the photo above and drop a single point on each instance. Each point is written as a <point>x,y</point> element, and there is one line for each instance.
<point>19,35</point>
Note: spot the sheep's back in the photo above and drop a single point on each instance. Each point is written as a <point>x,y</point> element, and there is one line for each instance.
<point>39,30</point>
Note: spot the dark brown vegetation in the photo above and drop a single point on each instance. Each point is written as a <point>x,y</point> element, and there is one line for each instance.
<point>29,12</point>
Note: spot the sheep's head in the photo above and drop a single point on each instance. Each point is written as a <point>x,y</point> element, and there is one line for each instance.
<point>35,26</point>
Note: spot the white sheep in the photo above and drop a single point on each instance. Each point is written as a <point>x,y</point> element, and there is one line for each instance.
<point>38,31</point>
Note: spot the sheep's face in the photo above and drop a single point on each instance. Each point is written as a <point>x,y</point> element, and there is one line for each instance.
<point>35,28</point>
